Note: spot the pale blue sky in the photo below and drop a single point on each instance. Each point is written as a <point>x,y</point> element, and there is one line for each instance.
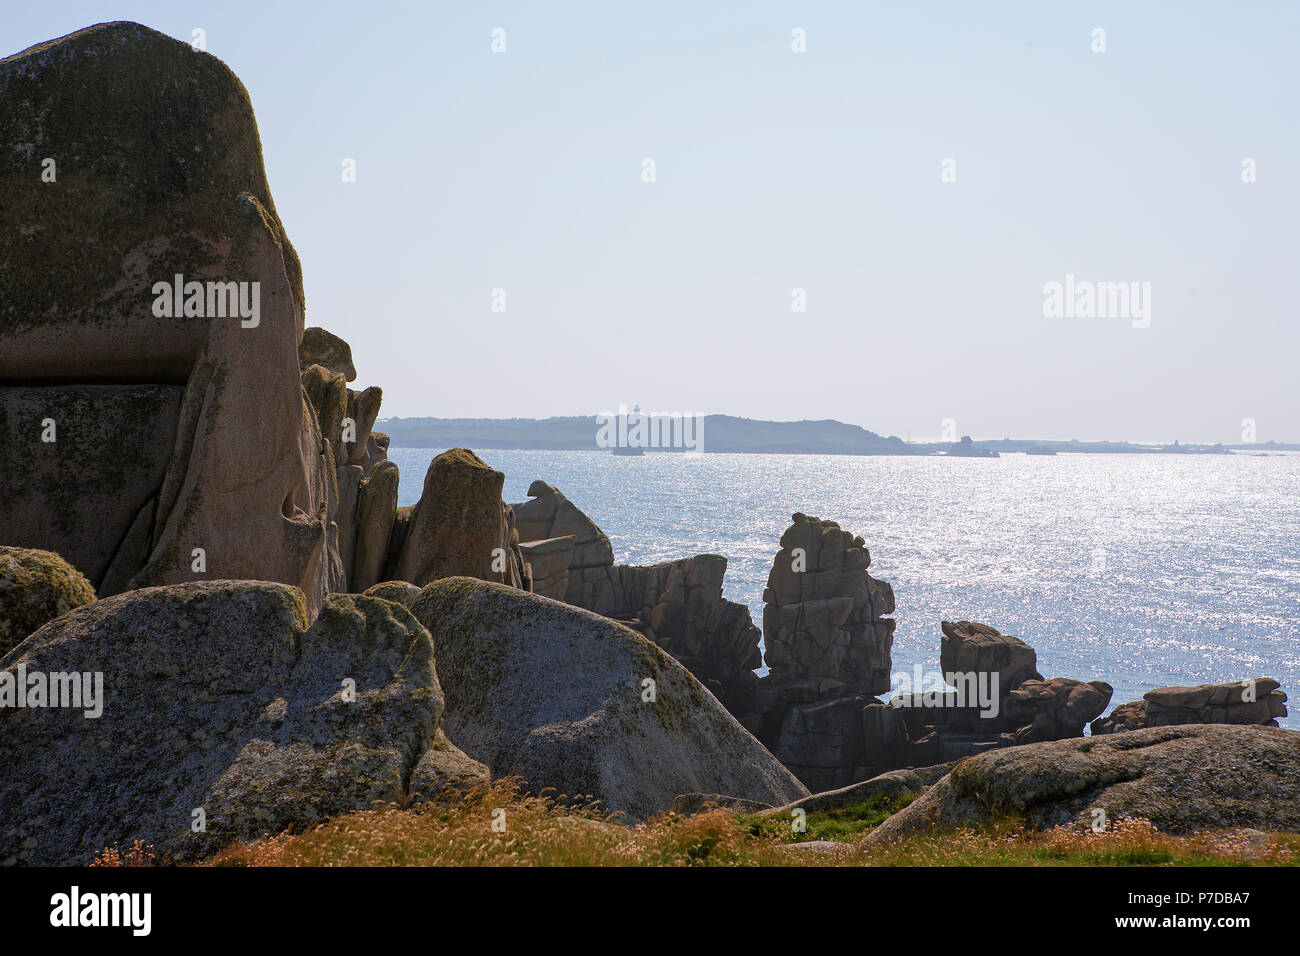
<point>778,170</point>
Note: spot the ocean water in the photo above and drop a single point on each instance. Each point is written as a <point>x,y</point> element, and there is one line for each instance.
<point>1139,570</point>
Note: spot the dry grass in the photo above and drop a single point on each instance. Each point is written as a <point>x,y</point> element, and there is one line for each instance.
<point>138,855</point>
<point>545,831</point>
<point>1131,842</point>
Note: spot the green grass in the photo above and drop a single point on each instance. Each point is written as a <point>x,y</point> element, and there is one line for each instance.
<point>843,825</point>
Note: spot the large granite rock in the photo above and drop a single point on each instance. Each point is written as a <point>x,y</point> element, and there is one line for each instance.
<point>460,525</point>
<point>36,587</point>
<point>323,348</point>
<point>223,471</point>
<point>218,697</point>
<point>558,696</point>
<point>551,515</point>
<point>825,616</point>
<point>969,647</point>
<point>1182,779</point>
<point>1258,700</point>
<point>153,144</point>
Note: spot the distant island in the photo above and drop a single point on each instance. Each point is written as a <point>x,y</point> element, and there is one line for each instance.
<point>732,434</point>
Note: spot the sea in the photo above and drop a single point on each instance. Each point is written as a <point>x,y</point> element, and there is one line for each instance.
<point>1143,571</point>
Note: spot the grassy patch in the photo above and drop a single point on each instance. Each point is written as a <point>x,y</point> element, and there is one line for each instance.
<point>843,825</point>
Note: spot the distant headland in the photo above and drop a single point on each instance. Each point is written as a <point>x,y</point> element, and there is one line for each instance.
<point>732,434</point>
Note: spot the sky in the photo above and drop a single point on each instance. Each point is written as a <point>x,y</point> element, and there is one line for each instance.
<point>829,171</point>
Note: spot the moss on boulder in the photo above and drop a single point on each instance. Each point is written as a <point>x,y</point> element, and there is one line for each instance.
<point>36,587</point>
<point>216,697</point>
<point>559,696</point>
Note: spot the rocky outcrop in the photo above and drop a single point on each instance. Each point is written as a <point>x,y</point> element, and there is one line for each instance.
<point>1258,700</point>
<point>550,515</point>
<point>969,647</point>
<point>1055,709</point>
<point>1182,779</point>
<point>36,587</point>
<point>827,640</point>
<point>572,700</point>
<point>319,347</point>
<point>1000,700</point>
<point>196,457</point>
<point>825,616</point>
<point>833,741</point>
<point>460,525</point>
<point>158,188</point>
<point>220,705</point>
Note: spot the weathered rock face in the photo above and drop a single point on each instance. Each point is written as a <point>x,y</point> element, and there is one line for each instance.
<point>157,188</point>
<point>251,482</point>
<point>36,587</point>
<point>825,615</point>
<point>218,697</point>
<point>970,647</point>
<point>1180,778</point>
<point>1258,700</point>
<point>1055,709</point>
<point>319,347</point>
<point>88,492</point>
<point>557,695</point>
<point>551,515</point>
<point>548,562</point>
<point>460,525</point>
<point>224,473</point>
<point>829,744</point>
